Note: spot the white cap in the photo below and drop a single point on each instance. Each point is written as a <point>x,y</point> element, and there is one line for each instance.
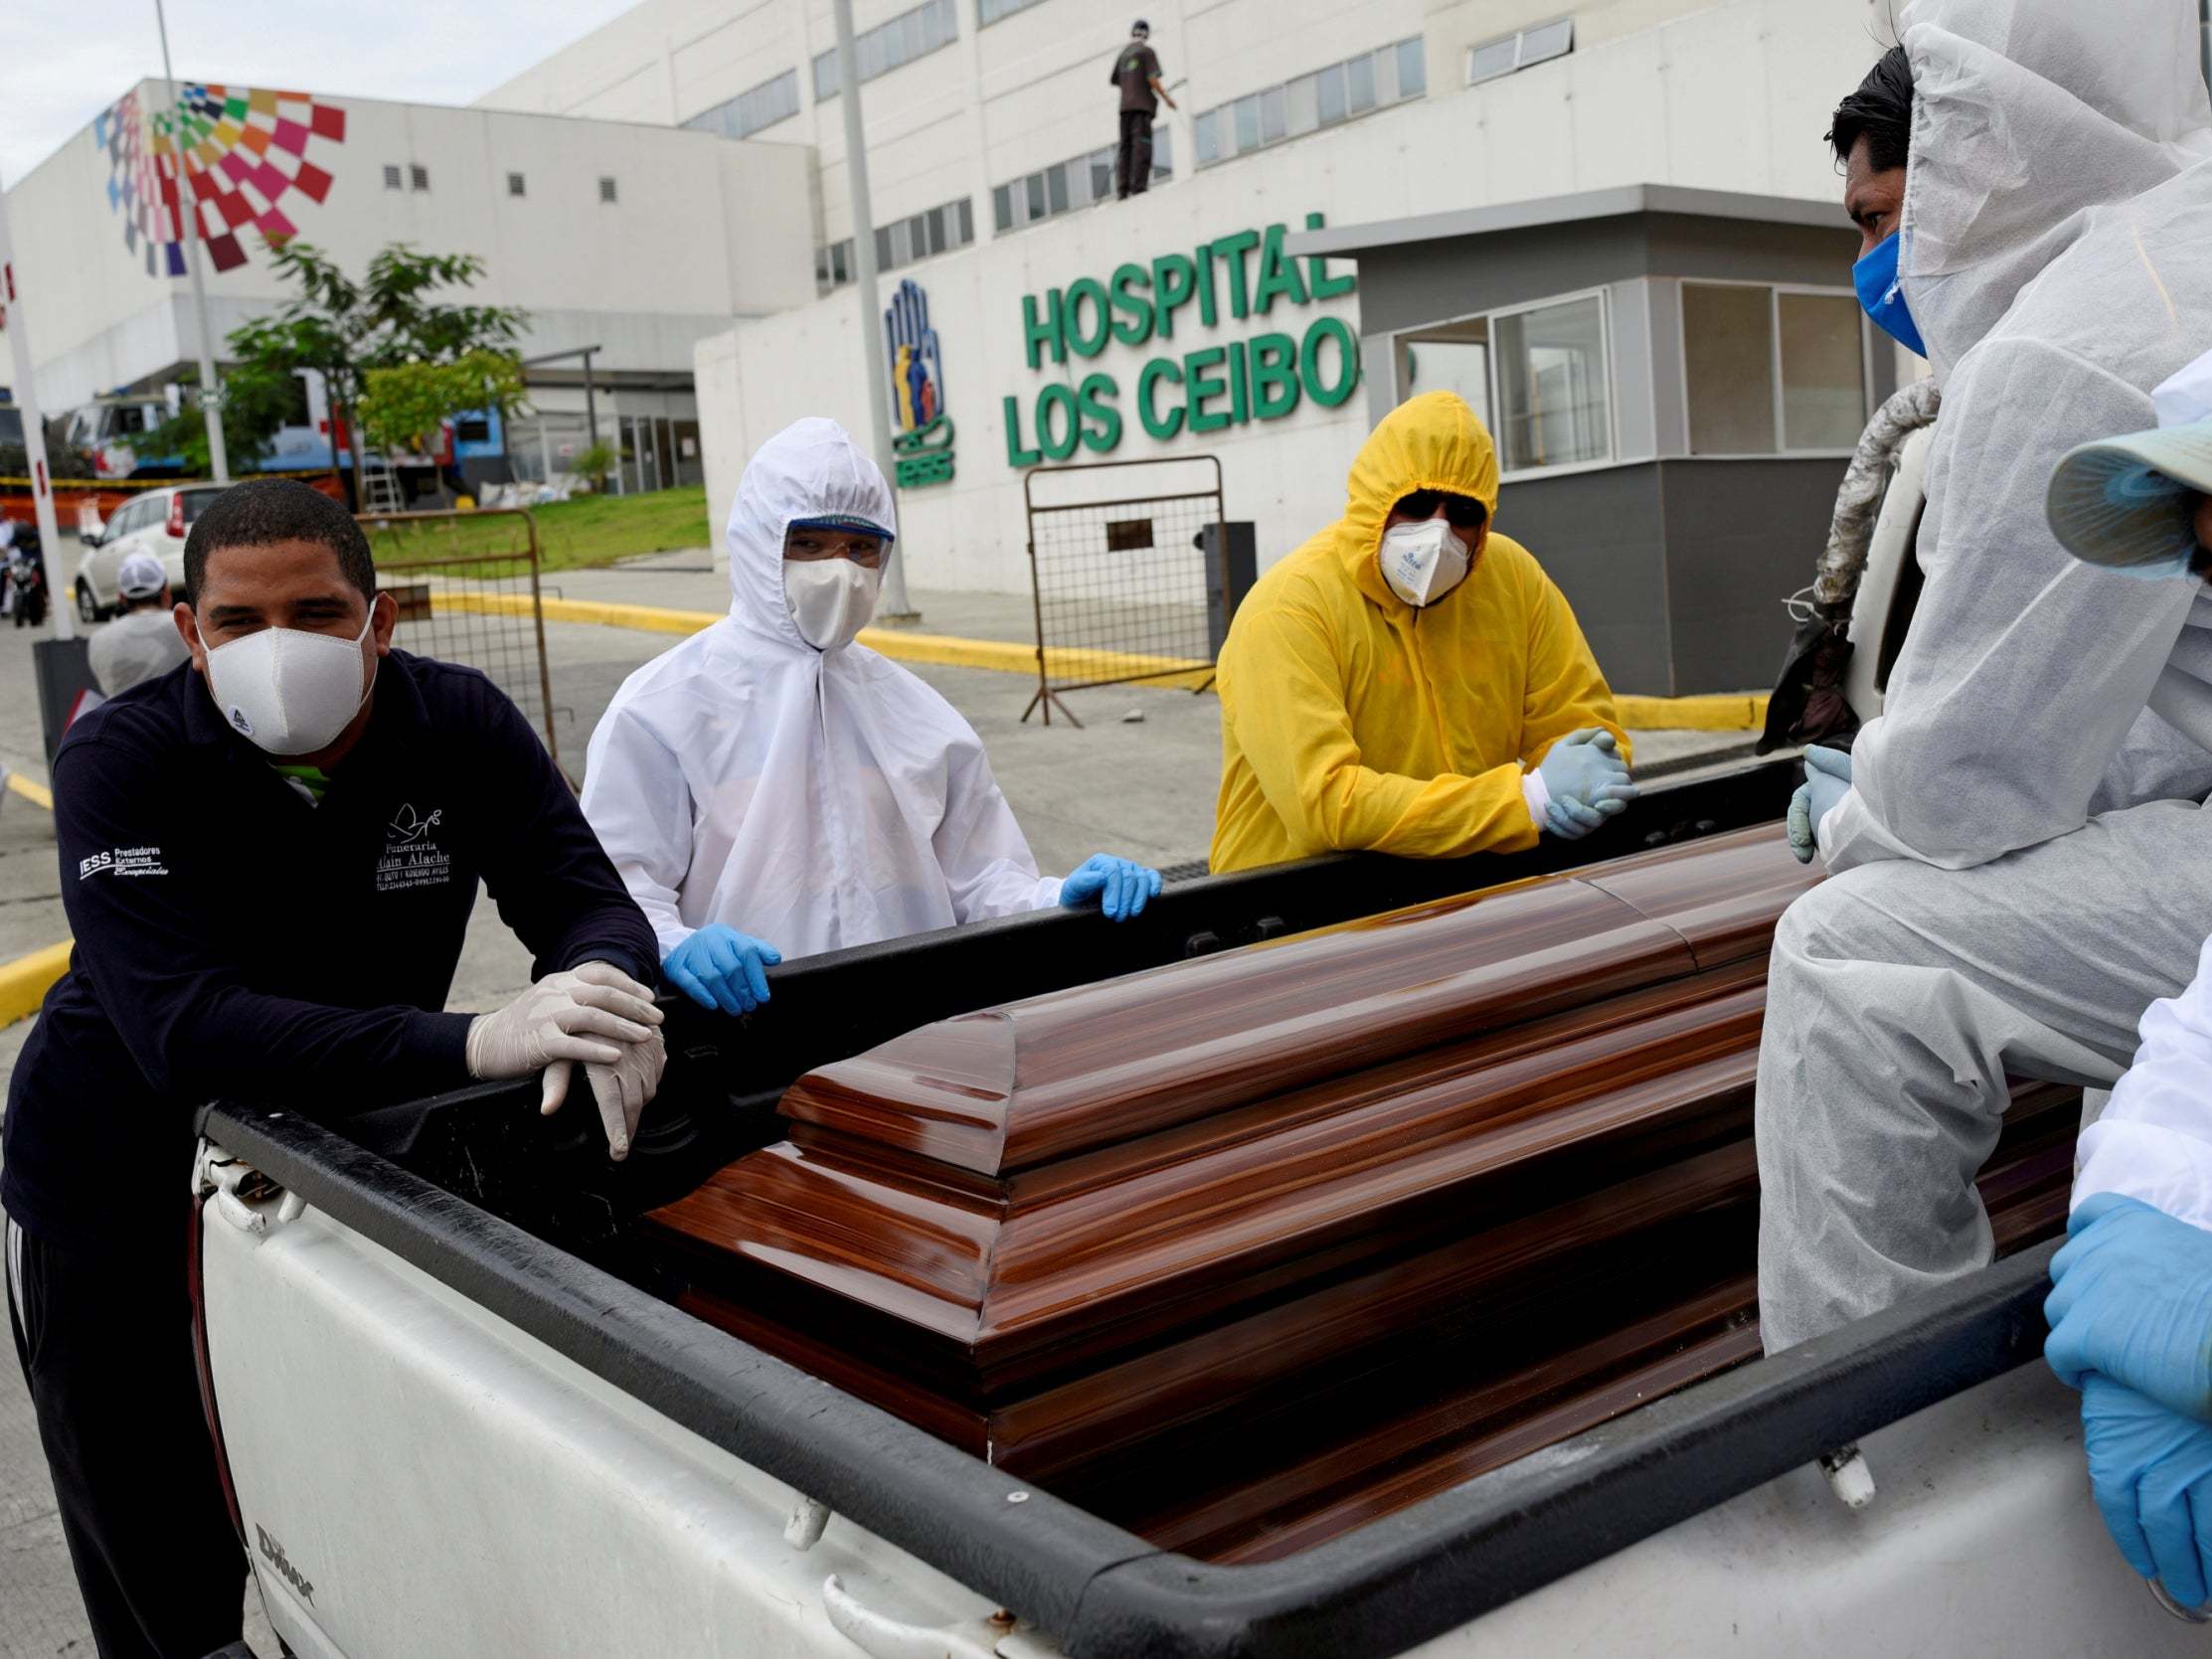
<point>2129,503</point>
<point>140,577</point>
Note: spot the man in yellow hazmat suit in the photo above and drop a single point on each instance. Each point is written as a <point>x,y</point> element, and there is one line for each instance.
<point>1408,681</point>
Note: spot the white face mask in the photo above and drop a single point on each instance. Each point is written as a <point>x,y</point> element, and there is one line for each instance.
<point>832,599</point>
<point>1423,561</point>
<point>290,691</point>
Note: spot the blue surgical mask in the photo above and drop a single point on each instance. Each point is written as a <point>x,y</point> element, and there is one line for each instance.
<point>1875,278</point>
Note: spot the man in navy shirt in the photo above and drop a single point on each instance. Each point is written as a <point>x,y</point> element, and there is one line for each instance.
<point>269,857</point>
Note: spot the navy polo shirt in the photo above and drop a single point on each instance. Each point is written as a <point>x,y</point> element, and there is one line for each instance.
<point>235,941</point>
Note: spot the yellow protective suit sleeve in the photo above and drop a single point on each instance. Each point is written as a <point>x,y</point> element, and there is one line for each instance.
<point>1565,689</point>
<point>1296,734</point>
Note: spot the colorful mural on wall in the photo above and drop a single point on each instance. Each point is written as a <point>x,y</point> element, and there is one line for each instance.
<point>920,430</point>
<point>240,149</point>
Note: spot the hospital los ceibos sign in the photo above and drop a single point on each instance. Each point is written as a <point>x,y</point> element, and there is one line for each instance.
<point>1245,279</point>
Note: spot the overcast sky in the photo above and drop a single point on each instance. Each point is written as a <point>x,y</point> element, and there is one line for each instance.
<point>61,61</point>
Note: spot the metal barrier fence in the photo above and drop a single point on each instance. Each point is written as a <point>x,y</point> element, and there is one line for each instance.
<point>1120,578</point>
<point>466,584</point>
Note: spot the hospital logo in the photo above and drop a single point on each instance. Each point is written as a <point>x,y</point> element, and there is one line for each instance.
<point>410,857</point>
<point>920,430</point>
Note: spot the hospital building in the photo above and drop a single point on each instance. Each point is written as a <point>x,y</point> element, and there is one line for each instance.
<point>1612,227</point>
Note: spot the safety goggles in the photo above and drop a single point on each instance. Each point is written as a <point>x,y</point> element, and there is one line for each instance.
<point>1462,512</point>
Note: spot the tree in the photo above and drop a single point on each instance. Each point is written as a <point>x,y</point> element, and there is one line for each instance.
<point>346,329</point>
<point>406,406</point>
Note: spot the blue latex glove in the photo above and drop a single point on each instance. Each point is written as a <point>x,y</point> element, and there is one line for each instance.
<point>2132,1301</point>
<point>2149,1469</point>
<point>720,967</point>
<point>1118,885</point>
<point>1828,780</point>
<point>1587,781</point>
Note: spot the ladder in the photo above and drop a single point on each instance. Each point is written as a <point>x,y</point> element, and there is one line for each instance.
<point>379,489</point>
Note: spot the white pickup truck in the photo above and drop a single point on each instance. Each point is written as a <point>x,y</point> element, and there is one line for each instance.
<point>460,1417</point>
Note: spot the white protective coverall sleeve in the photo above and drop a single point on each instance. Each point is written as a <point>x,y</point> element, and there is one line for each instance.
<point>648,836</point>
<point>814,799</point>
<point>2049,263</point>
<point>2153,1141</point>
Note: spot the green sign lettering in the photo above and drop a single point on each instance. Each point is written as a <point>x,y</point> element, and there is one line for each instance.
<point>1206,390</point>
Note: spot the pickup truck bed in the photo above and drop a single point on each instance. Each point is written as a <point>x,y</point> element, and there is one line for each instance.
<point>457,1431</point>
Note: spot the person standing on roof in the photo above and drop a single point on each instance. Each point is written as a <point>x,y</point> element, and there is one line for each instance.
<point>771,789</point>
<point>2015,849</point>
<point>1136,71</point>
<point>1410,680</point>
<point>144,642</point>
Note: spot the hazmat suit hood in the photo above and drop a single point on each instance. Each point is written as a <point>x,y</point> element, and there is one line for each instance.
<point>2029,117</point>
<point>1430,442</point>
<point>815,799</point>
<point>813,471</point>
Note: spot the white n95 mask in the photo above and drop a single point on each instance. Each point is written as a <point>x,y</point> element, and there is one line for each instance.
<point>832,599</point>
<point>1423,561</point>
<point>289,690</point>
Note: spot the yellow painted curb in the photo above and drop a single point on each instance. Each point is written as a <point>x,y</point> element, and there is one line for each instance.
<point>25,981</point>
<point>37,794</point>
<point>1733,713</point>
<point>1008,656</point>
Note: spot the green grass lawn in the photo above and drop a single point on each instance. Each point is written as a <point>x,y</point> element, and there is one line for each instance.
<point>591,530</point>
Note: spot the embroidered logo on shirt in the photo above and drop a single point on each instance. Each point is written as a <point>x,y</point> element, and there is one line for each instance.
<point>410,857</point>
<point>124,861</point>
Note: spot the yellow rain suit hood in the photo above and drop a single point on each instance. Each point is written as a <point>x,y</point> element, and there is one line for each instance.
<point>1351,720</point>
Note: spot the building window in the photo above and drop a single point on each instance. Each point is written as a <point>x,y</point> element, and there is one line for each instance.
<point>1767,372</point>
<point>902,242</point>
<point>606,189</point>
<point>1552,397</point>
<point>391,178</point>
<point>514,184</point>
<point>1451,356</point>
<point>1328,96</point>
<point>1823,371</point>
<point>886,47</point>
<point>1508,53</point>
<point>1075,182</point>
<point>991,11</point>
<point>752,110</point>
<point>419,178</point>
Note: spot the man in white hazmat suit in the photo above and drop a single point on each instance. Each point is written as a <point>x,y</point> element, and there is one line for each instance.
<point>2018,867</point>
<point>771,788</point>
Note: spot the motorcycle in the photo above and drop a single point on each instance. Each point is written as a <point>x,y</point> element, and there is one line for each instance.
<point>23,581</point>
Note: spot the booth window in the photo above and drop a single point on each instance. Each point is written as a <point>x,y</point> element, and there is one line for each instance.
<point>1771,372</point>
<point>1554,398</point>
<point>1451,356</point>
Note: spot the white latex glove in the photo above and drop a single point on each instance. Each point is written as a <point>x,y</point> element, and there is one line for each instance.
<point>622,1090</point>
<point>588,1014</point>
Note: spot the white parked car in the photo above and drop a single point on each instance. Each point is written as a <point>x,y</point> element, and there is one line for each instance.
<point>156,523</point>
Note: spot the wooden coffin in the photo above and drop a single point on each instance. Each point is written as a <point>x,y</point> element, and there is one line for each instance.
<point>1315,1227</point>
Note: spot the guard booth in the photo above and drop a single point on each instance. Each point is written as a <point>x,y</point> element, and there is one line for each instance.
<point>1675,379</point>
